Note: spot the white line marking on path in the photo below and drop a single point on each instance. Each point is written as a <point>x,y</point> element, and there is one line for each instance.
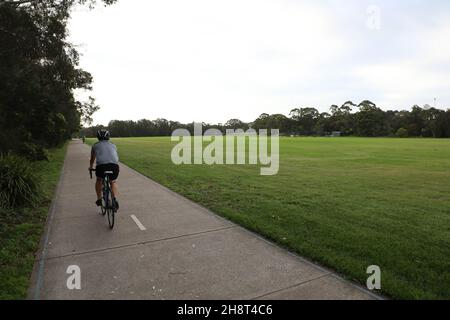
<point>139,224</point>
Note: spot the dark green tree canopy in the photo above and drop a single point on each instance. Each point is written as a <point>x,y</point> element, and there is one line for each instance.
<point>39,71</point>
<point>369,120</point>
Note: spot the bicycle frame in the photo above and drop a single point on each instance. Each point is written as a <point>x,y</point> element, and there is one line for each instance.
<point>107,203</point>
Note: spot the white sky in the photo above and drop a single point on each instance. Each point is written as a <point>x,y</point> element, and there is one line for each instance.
<point>208,60</point>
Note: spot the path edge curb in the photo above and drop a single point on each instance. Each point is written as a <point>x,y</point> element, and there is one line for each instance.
<point>36,279</point>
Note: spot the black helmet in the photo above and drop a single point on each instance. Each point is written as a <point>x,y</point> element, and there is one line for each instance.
<point>103,135</point>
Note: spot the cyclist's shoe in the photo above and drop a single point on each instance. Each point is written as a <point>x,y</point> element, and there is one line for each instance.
<point>116,204</point>
<point>98,202</point>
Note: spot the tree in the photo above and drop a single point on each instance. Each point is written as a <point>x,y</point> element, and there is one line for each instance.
<point>86,110</point>
<point>341,118</point>
<point>260,122</point>
<point>431,116</point>
<point>416,121</point>
<point>236,124</point>
<point>402,133</point>
<point>306,119</point>
<point>443,124</point>
<point>39,73</point>
<point>322,126</point>
<point>349,105</point>
<point>370,120</point>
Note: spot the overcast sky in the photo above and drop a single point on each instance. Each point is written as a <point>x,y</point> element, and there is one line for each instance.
<point>216,60</point>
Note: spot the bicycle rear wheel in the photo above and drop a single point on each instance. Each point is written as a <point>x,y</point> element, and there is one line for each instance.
<point>103,208</point>
<point>110,210</point>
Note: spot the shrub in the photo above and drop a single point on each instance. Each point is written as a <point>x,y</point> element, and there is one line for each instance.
<point>33,151</point>
<point>401,133</point>
<point>19,184</point>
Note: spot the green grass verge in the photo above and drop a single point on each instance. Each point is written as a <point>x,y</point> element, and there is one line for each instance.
<point>346,203</point>
<point>21,231</point>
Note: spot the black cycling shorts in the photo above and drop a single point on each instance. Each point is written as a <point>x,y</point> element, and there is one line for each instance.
<point>100,171</point>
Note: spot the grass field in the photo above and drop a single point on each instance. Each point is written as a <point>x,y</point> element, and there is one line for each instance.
<point>21,231</point>
<point>346,203</point>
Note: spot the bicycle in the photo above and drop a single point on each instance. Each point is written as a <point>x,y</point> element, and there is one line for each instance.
<point>108,207</point>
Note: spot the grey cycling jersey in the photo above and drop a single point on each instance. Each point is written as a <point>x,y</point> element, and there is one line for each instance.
<point>105,152</point>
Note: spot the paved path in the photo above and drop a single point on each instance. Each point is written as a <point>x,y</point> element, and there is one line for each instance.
<point>185,251</point>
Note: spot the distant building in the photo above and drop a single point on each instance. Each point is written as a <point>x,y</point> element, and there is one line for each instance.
<point>336,134</point>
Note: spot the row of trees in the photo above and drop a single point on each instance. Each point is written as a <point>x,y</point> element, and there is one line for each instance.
<point>156,128</point>
<point>350,119</point>
<point>38,75</point>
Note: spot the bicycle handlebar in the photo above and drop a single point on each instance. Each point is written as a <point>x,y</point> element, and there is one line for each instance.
<point>90,172</point>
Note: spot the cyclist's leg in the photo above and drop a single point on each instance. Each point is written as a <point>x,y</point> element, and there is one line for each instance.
<point>114,185</point>
<point>98,187</point>
<point>100,173</point>
<point>114,188</point>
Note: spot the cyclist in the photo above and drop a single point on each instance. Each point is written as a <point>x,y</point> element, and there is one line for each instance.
<point>105,154</point>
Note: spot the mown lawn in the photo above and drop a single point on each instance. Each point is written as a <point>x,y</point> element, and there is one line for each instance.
<point>21,231</point>
<point>346,203</point>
